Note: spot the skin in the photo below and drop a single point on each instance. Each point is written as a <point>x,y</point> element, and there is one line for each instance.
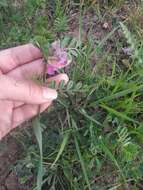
<point>20,96</point>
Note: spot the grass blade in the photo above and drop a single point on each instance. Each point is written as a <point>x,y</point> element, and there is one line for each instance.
<point>81,159</point>
<point>119,114</point>
<point>108,36</point>
<point>107,151</point>
<point>117,95</point>
<point>83,112</point>
<point>82,163</point>
<point>38,134</point>
<point>62,147</point>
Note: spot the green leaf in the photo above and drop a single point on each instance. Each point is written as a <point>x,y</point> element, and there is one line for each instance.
<point>70,85</point>
<point>130,151</point>
<point>73,52</point>
<point>52,84</point>
<point>78,86</point>
<point>62,84</point>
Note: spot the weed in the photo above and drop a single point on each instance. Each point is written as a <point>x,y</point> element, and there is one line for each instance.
<point>92,137</point>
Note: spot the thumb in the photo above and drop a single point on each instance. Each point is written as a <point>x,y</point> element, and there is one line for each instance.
<point>25,91</point>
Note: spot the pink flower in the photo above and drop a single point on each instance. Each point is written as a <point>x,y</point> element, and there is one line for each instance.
<point>60,53</point>
<point>61,58</point>
<point>127,50</point>
<point>51,69</point>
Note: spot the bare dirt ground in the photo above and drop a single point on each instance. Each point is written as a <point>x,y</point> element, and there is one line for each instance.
<point>8,157</point>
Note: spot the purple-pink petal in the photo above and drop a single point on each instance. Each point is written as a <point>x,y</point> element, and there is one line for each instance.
<point>61,56</point>
<point>51,69</point>
<point>62,61</point>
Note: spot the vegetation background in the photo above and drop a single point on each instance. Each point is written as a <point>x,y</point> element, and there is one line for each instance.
<point>93,134</point>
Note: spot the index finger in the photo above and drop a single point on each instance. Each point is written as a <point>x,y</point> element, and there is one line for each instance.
<point>14,57</point>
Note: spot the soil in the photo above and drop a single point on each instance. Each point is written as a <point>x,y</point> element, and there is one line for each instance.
<point>10,153</point>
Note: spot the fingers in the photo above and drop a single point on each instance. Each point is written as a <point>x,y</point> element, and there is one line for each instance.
<point>13,57</point>
<point>29,70</point>
<point>25,91</point>
<point>25,112</point>
<point>17,104</point>
<point>34,68</point>
<point>6,108</point>
<point>57,79</point>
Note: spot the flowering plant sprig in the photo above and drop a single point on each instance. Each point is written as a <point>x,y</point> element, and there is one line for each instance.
<point>55,58</point>
<point>59,58</point>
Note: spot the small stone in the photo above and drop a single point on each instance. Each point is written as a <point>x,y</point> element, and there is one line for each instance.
<point>105,25</point>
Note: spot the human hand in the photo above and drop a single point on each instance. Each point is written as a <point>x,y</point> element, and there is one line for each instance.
<point>20,96</point>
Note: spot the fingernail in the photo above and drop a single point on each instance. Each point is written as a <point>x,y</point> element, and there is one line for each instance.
<point>49,94</point>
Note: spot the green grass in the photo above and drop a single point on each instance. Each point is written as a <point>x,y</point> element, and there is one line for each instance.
<point>93,134</point>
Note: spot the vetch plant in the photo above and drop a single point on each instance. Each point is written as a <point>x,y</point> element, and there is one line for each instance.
<point>56,59</point>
